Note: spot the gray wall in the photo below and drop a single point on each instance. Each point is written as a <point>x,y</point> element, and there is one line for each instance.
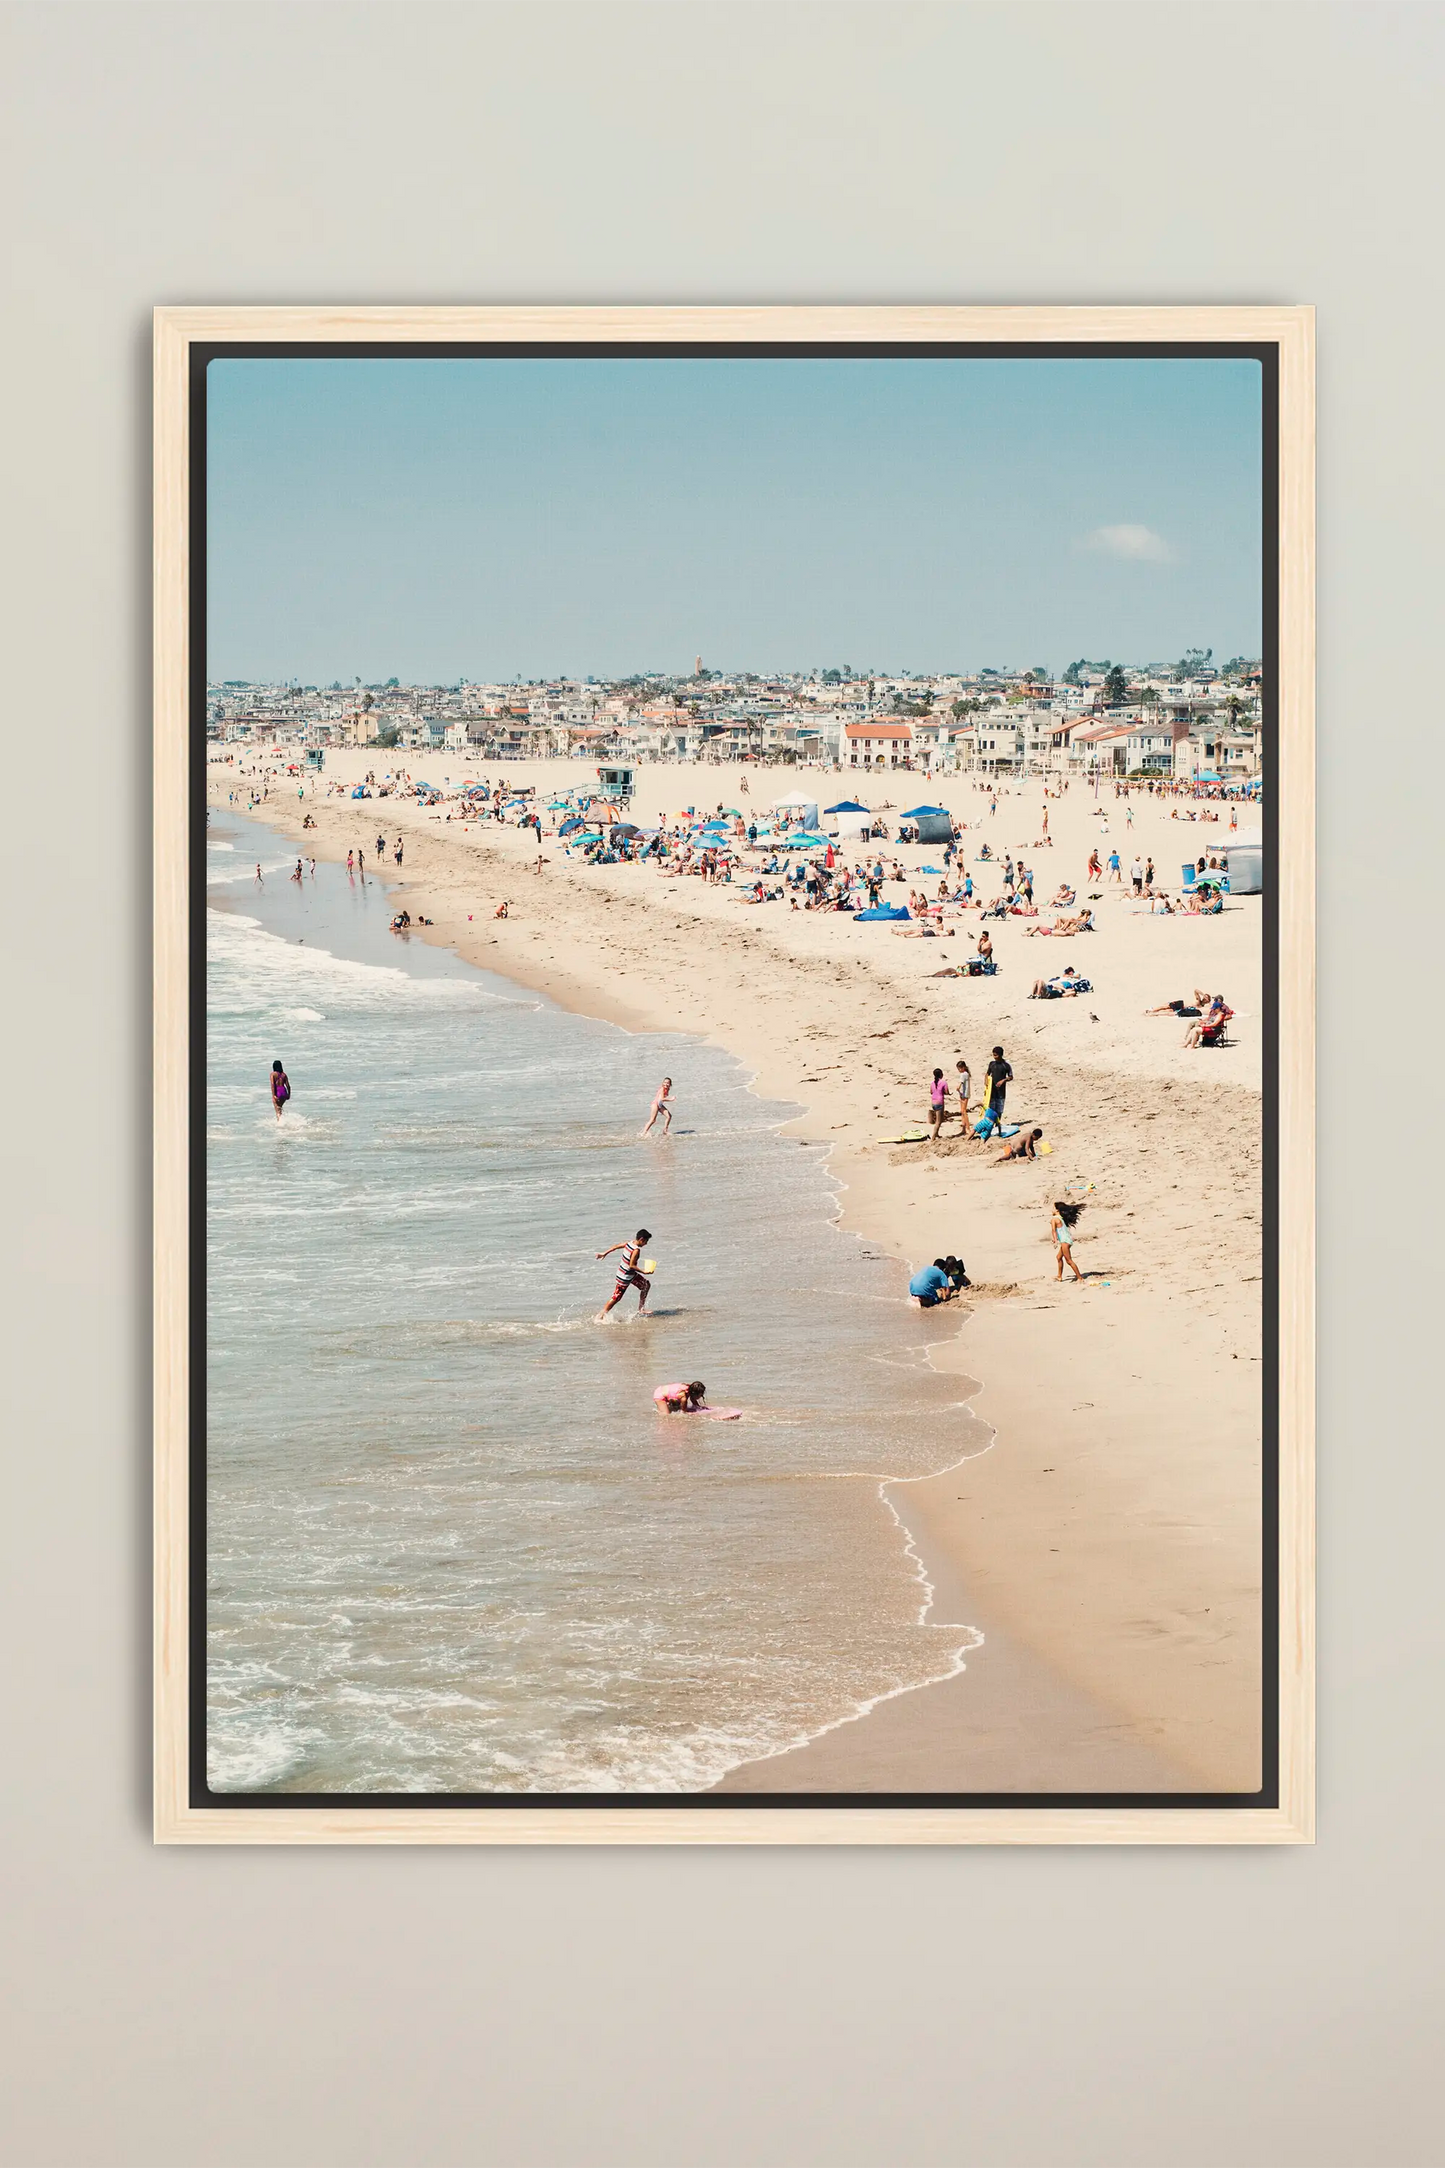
<point>196,2008</point>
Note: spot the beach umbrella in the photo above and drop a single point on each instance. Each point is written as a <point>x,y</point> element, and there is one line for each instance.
<point>567,827</point>
<point>625,828</point>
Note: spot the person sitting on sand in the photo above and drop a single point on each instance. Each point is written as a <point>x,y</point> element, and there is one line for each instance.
<point>1020,1147</point>
<point>681,1399</point>
<point>957,1273</point>
<point>1061,1226</point>
<point>501,910</point>
<point>1215,1017</point>
<point>932,1285</point>
<point>628,1273</point>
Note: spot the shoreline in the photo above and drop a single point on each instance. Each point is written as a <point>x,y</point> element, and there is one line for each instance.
<point>1151,1687</point>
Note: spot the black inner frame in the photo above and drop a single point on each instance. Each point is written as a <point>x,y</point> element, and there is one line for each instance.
<point>1266,353</point>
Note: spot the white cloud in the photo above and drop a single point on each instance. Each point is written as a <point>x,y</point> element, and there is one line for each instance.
<point>1138,545</point>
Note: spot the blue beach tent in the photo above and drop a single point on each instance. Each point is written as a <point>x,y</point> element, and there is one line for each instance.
<point>848,805</point>
<point>884,910</point>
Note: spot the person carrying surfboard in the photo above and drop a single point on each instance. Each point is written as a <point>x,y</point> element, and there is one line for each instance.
<point>629,1273</point>
<point>997,1078</point>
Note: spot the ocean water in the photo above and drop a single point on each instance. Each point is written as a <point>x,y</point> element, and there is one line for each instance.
<point>452,1547</point>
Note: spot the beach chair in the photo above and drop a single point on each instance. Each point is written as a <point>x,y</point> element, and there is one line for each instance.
<point>1217,1034</point>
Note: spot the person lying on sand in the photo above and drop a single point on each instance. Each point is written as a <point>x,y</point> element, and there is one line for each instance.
<point>1183,1008</point>
<point>1062,988</point>
<point>1020,1147</point>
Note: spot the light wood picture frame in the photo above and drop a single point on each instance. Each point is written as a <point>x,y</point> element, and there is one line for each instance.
<point>1282,1810</point>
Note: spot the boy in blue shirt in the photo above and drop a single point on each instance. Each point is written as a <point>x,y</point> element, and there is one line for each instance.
<point>932,1285</point>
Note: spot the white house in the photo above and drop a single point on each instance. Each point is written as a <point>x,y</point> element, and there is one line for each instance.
<point>881,744</point>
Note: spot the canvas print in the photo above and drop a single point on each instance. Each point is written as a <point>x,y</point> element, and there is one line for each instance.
<point>736,909</point>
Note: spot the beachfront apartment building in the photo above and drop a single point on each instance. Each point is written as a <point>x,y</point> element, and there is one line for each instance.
<point>884,743</point>
<point>1151,745</point>
<point>997,747</point>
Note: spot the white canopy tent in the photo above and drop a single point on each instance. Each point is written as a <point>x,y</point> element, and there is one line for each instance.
<point>800,804</point>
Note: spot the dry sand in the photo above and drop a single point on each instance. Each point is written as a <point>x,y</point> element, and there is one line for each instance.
<point>1109,1543</point>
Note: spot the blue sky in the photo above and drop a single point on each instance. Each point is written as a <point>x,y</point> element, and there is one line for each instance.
<point>438,519</point>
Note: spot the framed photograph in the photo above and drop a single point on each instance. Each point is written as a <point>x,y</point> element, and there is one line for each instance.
<point>677,1320</point>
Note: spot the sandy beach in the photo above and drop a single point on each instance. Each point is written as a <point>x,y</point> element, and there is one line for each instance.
<point>1108,1544</point>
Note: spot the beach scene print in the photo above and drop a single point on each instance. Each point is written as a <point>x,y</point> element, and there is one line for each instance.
<point>737,1011</point>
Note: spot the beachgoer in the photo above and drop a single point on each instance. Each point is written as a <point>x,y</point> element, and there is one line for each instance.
<point>680,1399</point>
<point>1114,872</point>
<point>932,1285</point>
<point>660,1107</point>
<point>280,1088</point>
<point>998,1076</point>
<point>1020,1147</point>
<point>628,1273</point>
<point>937,1105</point>
<point>1061,1226</point>
<point>1214,1019</point>
<point>963,1087</point>
<point>1136,875</point>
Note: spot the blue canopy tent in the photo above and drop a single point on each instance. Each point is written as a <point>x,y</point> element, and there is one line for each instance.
<point>847,805</point>
<point>917,812</point>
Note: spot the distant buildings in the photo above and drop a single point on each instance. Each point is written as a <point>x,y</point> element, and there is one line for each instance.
<point>1188,722</point>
